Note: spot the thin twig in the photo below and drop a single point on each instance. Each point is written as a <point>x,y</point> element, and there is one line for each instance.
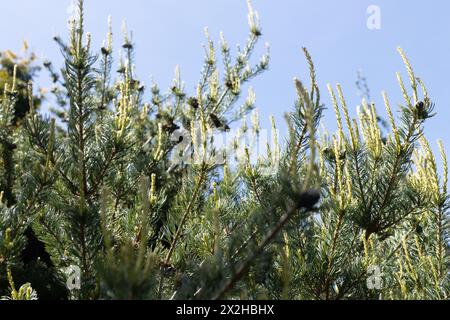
<point>242,270</point>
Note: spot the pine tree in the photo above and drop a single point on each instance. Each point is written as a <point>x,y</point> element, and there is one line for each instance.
<point>23,68</point>
<point>139,198</point>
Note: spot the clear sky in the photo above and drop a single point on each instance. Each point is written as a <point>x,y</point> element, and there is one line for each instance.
<point>170,32</point>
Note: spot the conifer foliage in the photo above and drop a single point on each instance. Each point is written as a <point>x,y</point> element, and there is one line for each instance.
<point>133,199</point>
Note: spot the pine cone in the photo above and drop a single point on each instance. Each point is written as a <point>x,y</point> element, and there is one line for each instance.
<point>193,102</point>
<point>170,127</point>
<point>105,51</point>
<point>308,198</point>
<point>217,123</point>
<point>420,110</point>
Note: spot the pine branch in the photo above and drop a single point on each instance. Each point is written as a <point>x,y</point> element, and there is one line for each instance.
<point>187,212</point>
<point>271,235</point>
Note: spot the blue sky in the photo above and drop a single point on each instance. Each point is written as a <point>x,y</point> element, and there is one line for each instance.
<point>170,32</point>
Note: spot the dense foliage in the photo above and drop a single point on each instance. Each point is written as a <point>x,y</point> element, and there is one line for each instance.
<point>139,198</point>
